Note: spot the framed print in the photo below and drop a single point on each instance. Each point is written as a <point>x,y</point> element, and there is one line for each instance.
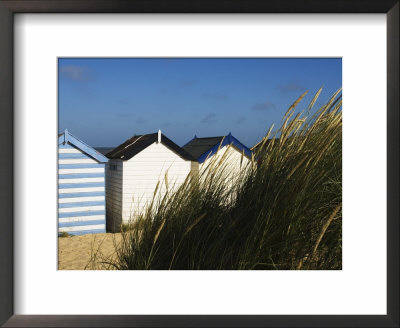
<point>44,38</point>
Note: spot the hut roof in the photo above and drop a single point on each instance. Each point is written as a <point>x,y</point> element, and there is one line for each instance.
<point>198,146</point>
<point>201,148</point>
<point>67,137</point>
<point>137,143</point>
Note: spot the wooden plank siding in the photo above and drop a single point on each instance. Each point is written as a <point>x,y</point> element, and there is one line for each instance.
<point>233,164</point>
<point>81,192</point>
<point>131,183</point>
<point>142,173</point>
<point>232,167</point>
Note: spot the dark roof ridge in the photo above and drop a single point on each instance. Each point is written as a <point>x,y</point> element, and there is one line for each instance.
<point>123,145</point>
<point>137,138</point>
<point>210,137</point>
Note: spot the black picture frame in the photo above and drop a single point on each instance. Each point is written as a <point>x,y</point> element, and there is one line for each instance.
<point>10,7</point>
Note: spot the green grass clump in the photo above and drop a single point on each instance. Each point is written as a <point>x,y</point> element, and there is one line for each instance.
<point>64,234</point>
<point>282,213</point>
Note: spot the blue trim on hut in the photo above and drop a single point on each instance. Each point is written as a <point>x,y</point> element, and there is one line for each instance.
<point>80,223</point>
<point>84,232</point>
<point>90,203</point>
<point>81,185</point>
<point>82,194</point>
<point>66,137</point>
<point>80,166</point>
<point>84,213</point>
<point>81,175</point>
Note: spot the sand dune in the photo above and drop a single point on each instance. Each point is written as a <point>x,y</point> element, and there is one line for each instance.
<point>75,252</point>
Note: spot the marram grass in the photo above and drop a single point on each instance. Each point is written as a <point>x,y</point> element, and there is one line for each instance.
<point>282,213</point>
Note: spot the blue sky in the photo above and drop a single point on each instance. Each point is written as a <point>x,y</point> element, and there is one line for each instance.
<point>104,101</point>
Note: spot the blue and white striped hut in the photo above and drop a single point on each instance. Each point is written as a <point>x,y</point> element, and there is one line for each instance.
<point>81,187</point>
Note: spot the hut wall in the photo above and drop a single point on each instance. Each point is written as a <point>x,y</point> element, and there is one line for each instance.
<point>81,192</point>
<point>142,173</point>
<point>233,165</point>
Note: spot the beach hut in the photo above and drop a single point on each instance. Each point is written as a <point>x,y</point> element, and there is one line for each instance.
<point>212,149</point>
<point>81,187</point>
<point>136,168</point>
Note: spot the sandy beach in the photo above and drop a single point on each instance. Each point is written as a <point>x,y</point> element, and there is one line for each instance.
<point>75,252</point>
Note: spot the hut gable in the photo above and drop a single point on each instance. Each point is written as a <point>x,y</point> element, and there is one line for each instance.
<point>81,187</point>
<point>68,139</point>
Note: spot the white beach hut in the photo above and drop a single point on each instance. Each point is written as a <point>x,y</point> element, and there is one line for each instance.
<point>134,170</point>
<point>81,187</point>
<point>212,149</point>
